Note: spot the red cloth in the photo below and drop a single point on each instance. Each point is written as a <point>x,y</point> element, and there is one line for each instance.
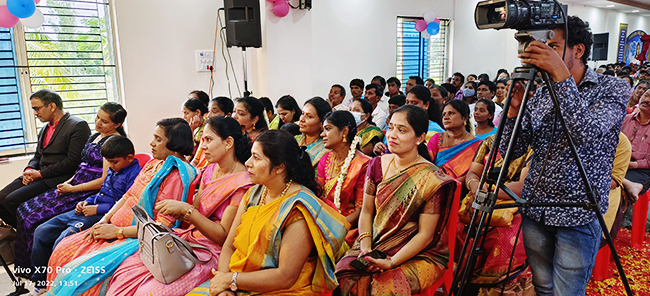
<point>49,132</point>
<point>646,43</point>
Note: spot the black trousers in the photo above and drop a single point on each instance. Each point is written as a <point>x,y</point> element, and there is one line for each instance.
<point>16,193</point>
<point>641,176</point>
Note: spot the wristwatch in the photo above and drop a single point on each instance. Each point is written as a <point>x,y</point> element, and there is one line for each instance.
<point>120,233</point>
<point>233,282</point>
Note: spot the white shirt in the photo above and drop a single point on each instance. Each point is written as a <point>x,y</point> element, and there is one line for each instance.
<point>379,118</point>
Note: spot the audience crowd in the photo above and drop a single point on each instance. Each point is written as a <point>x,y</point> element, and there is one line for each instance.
<point>350,194</point>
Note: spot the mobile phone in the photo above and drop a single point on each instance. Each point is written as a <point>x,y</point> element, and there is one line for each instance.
<point>361,263</point>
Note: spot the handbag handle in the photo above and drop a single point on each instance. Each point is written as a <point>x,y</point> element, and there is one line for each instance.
<point>185,247</point>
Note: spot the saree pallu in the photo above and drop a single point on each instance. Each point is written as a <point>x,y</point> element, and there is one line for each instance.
<point>133,278</point>
<point>370,134</point>
<point>399,201</point>
<point>315,150</point>
<point>492,267</point>
<point>455,160</point>
<point>259,236</point>
<point>75,255</point>
<point>199,161</point>
<point>351,197</point>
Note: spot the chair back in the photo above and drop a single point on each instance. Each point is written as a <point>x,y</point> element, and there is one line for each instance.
<point>143,158</point>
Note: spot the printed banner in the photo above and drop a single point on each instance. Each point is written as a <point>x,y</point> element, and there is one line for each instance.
<point>621,43</point>
<point>633,47</point>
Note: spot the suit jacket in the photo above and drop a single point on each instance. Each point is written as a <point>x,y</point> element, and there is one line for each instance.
<point>60,158</point>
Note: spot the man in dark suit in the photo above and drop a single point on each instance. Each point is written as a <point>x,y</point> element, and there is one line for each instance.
<point>58,154</point>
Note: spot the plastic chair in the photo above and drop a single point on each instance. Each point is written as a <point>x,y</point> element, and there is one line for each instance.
<point>143,158</point>
<point>639,216</point>
<point>448,276</point>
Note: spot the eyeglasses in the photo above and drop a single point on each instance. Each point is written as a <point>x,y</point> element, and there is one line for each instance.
<point>38,109</point>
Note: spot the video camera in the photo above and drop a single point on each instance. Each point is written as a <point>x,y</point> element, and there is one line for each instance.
<point>518,15</point>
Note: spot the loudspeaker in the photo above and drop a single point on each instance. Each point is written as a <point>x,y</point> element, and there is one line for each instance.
<point>599,49</point>
<point>243,27</point>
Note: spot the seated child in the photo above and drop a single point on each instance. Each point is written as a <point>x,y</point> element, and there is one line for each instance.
<point>118,152</point>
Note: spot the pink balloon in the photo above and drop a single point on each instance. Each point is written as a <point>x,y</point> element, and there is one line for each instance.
<point>37,1</point>
<point>437,20</point>
<point>281,8</point>
<point>7,20</point>
<point>420,25</point>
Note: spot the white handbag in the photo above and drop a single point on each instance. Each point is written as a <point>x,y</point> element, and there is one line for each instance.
<point>166,255</point>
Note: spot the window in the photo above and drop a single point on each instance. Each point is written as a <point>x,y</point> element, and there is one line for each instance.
<point>72,53</point>
<point>417,56</point>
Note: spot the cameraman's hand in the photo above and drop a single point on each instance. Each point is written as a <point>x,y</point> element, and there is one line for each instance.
<point>547,59</point>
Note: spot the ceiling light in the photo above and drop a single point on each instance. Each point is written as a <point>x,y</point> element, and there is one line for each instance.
<point>610,6</point>
<point>635,11</point>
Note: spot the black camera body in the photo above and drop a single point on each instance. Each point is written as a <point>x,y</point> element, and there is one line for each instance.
<point>518,14</point>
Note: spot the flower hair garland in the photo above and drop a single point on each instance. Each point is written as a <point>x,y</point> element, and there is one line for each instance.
<point>344,172</point>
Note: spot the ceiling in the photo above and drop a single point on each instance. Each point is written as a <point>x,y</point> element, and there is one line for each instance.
<point>640,7</point>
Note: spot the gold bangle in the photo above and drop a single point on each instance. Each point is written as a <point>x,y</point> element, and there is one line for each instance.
<point>364,235</point>
<point>470,183</point>
<point>189,212</point>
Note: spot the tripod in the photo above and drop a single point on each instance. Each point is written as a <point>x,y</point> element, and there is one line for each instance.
<point>485,201</point>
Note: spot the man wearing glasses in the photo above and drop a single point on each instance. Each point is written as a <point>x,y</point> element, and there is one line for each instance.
<point>57,156</point>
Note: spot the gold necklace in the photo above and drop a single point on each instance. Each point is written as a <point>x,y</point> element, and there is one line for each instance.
<point>266,191</point>
<point>408,166</point>
<point>232,170</point>
<point>449,139</point>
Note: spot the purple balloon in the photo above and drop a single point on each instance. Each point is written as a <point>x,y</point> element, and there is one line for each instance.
<point>7,20</point>
<point>420,25</point>
<point>281,8</point>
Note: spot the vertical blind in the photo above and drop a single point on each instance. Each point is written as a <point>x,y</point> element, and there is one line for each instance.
<point>71,53</point>
<point>12,126</point>
<point>417,56</point>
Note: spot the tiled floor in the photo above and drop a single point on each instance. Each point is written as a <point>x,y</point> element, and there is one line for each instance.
<point>6,285</point>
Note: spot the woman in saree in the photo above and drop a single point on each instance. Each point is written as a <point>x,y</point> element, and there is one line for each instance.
<point>484,117</point>
<point>454,149</point>
<point>311,125</point>
<point>194,112</point>
<point>370,135</point>
<point>341,172</point>
<point>219,106</point>
<point>286,238</point>
<point>166,176</point>
<point>404,214</point>
<point>86,181</point>
<point>249,112</point>
<point>490,277</point>
<point>288,110</point>
<point>210,216</point>
<point>419,96</point>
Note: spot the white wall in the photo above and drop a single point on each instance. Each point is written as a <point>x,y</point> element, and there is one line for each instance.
<point>157,43</point>
<point>303,54</point>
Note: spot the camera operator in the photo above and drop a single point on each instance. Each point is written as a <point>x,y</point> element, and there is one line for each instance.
<point>562,242</point>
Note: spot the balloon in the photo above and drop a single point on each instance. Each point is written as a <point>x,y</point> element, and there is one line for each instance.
<point>429,16</point>
<point>433,28</point>
<point>425,35</point>
<point>37,1</point>
<point>281,8</point>
<point>420,25</point>
<point>21,8</point>
<point>437,20</point>
<point>34,21</point>
<point>7,20</point>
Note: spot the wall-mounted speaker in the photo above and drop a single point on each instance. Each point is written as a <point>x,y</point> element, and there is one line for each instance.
<point>243,28</point>
<point>599,49</point>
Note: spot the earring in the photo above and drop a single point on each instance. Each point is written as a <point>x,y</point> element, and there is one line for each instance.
<point>345,140</point>
<point>227,148</point>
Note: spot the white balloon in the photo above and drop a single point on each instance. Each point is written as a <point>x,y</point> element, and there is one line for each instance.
<point>429,16</point>
<point>425,34</point>
<point>34,21</point>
